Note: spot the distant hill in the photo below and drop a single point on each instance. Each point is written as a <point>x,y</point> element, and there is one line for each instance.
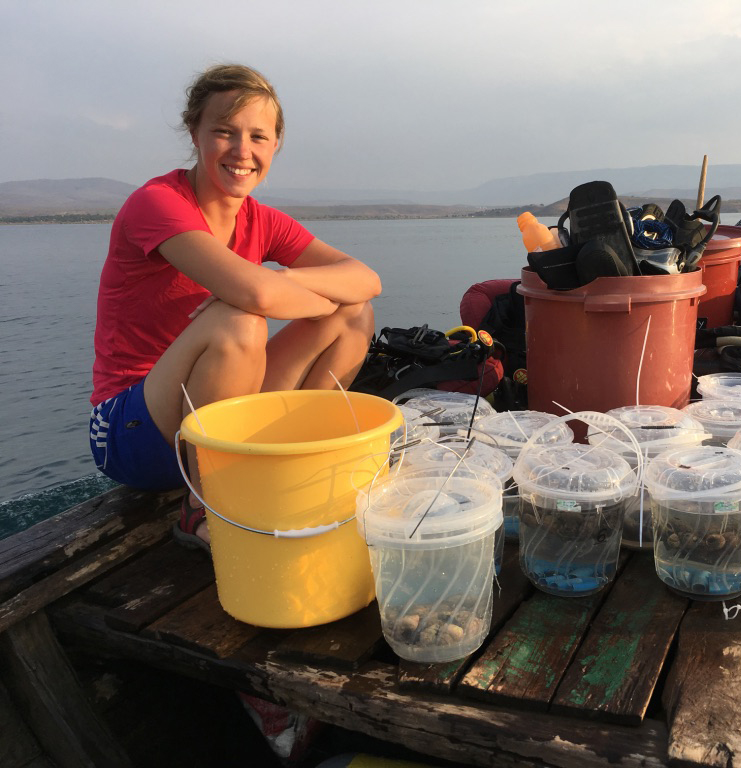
<point>502,197</point>
<point>671,181</point>
<point>58,196</point>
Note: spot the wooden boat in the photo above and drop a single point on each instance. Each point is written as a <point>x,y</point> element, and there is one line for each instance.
<point>632,676</point>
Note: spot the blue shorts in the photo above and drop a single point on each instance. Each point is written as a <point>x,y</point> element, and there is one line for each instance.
<point>128,447</point>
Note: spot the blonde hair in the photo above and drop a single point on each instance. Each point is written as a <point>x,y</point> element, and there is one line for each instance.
<point>230,77</point>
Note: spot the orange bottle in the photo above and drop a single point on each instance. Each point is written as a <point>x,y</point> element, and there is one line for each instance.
<point>536,236</point>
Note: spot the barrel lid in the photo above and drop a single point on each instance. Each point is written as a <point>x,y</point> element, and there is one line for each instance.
<point>656,428</point>
<point>722,418</point>
<point>482,458</point>
<point>427,509</point>
<point>691,474</point>
<point>579,472</point>
<point>510,430</point>
<point>719,386</point>
<point>726,236</point>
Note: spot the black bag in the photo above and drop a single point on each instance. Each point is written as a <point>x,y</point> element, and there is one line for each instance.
<point>400,359</point>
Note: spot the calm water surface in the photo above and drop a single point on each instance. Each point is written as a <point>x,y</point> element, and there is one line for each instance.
<point>49,282</point>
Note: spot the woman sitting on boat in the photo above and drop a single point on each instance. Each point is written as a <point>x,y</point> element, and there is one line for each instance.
<point>184,295</point>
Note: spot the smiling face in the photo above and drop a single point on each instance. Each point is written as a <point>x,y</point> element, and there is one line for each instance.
<point>234,153</point>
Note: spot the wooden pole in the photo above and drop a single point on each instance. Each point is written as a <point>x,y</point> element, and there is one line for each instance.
<point>701,188</point>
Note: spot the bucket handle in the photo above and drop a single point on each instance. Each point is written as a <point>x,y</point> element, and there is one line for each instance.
<point>292,533</point>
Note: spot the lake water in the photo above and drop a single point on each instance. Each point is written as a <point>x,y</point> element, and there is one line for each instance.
<point>49,282</point>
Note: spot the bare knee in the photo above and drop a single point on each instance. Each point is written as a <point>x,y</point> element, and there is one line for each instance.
<point>233,332</point>
<point>358,317</point>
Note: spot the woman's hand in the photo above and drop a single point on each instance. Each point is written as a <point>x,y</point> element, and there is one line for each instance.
<point>333,274</point>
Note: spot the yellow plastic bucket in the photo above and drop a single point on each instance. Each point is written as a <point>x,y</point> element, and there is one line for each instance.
<point>287,465</point>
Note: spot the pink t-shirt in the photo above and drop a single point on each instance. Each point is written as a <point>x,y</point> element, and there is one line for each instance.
<point>143,301</point>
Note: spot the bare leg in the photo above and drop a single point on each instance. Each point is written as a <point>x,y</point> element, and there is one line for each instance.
<point>301,355</point>
<point>220,354</point>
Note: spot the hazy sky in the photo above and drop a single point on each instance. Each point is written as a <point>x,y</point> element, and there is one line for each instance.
<point>397,94</point>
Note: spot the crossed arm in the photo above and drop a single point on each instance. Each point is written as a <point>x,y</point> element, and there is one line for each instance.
<point>317,282</point>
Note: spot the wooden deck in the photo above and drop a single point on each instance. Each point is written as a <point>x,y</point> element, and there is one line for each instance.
<point>633,676</point>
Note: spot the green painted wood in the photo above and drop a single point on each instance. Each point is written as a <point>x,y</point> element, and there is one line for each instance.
<point>524,663</point>
<point>511,588</point>
<point>617,668</point>
<point>527,659</point>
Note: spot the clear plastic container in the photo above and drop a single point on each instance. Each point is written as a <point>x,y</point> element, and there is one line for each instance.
<point>720,386</point>
<point>735,441</point>
<point>431,544</point>
<point>509,431</point>
<point>416,426</point>
<point>572,503</point>
<point>481,460</point>
<point>696,503</point>
<point>450,410</point>
<point>657,428</point>
<point>721,418</point>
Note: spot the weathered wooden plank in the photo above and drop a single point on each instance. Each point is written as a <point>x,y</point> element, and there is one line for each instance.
<point>18,747</point>
<point>40,549</point>
<point>369,701</point>
<point>201,624</point>
<point>84,570</point>
<point>344,644</point>
<point>702,694</point>
<point>526,660</point>
<point>440,678</point>
<point>153,584</point>
<point>616,669</point>
<point>43,685</point>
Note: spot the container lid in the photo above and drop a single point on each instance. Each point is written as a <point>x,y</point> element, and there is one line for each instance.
<point>720,386</point>
<point>692,474</point>
<point>480,458</point>
<point>418,427</point>
<point>455,407</point>
<point>510,430</point>
<point>735,441</point>
<point>726,236</point>
<point>656,428</point>
<point>575,472</point>
<point>722,418</point>
<point>459,509</point>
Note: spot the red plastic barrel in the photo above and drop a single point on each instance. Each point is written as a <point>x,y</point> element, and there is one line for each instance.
<point>584,346</point>
<point>719,265</point>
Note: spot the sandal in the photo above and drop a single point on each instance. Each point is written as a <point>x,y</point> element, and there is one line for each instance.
<point>184,531</point>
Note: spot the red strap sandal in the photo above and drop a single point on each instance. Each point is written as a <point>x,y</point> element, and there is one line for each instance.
<point>184,530</point>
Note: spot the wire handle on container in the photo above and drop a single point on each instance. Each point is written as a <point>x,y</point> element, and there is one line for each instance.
<point>300,533</point>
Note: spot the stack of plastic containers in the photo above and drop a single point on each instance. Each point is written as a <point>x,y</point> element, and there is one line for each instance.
<point>696,503</point>
<point>719,411</point>
<point>431,541</point>
<point>657,428</point>
<point>452,411</point>
<point>509,431</point>
<point>477,459</point>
